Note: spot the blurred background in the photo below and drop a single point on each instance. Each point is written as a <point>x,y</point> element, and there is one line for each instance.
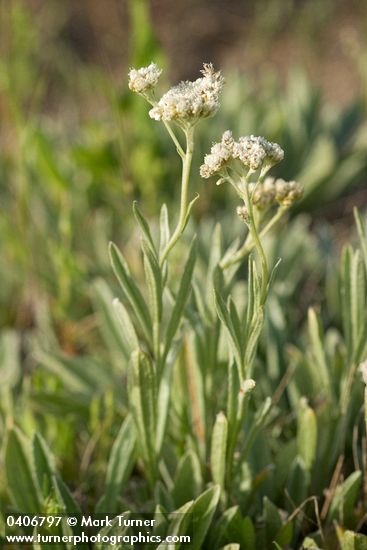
<point>76,147</point>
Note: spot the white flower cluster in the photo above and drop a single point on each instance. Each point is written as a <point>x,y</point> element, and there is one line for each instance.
<point>272,191</point>
<point>189,101</point>
<point>220,154</point>
<point>287,192</point>
<point>263,194</point>
<point>254,152</point>
<point>145,79</point>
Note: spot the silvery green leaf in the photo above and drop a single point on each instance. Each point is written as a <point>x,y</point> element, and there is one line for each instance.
<point>253,295</point>
<point>164,228</point>
<point>120,464</point>
<point>129,335</point>
<point>143,403</point>
<point>117,529</point>
<point>307,434</point>
<point>235,321</point>
<point>353,293</point>
<point>65,497</point>
<point>144,227</point>
<point>321,370</point>
<point>273,273</point>
<point>214,258</point>
<point>131,291</point>
<point>189,208</point>
<point>20,473</point>
<point>218,450</point>
<point>164,394</point>
<point>345,296</point>
<point>253,339</point>
<point>181,521</point>
<point>203,511</point>
<point>115,328</point>
<point>221,531</point>
<point>44,464</point>
<point>200,303</point>
<point>232,334</point>
<point>188,479</point>
<point>345,497</point>
<point>154,281</point>
<point>181,298</point>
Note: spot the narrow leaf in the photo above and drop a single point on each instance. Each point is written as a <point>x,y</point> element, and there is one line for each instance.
<point>129,335</point>
<point>119,467</point>
<point>143,401</point>
<point>345,496</point>
<point>188,479</point>
<point>203,511</point>
<point>164,228</point>
<point>181,298</point>
<point>44,464</point>
<point>112,327</point>
<point>20,474</point>
<point>144,227</point>
<point>130,289</point>
<point>307,434</point>
<point>321,373</point>
<point>219,449</point>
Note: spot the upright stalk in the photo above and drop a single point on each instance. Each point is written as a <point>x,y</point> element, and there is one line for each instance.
<point>184,203</point>
<point>248,245</point>
<point>257,242</point>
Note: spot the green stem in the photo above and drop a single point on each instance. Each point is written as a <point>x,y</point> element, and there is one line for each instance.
<point>257,242</point>
<point>248,245</point>
<point>186,165</point>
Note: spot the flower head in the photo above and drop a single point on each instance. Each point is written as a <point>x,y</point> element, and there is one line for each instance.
<point>287,192</point>
<point>189,101</point>
<point>220,154</point>
<point>272,191</point>
<point>255,151</point>
<point>145,79</point>
<point>263,194</point>
<point>252,152</point>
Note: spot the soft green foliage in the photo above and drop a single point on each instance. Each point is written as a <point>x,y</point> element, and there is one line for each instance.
<point>208,381</point>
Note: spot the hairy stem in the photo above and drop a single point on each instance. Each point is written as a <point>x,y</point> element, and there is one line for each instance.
<point>248,245</point>
<point>184,204</point>
<point>257,242</point>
